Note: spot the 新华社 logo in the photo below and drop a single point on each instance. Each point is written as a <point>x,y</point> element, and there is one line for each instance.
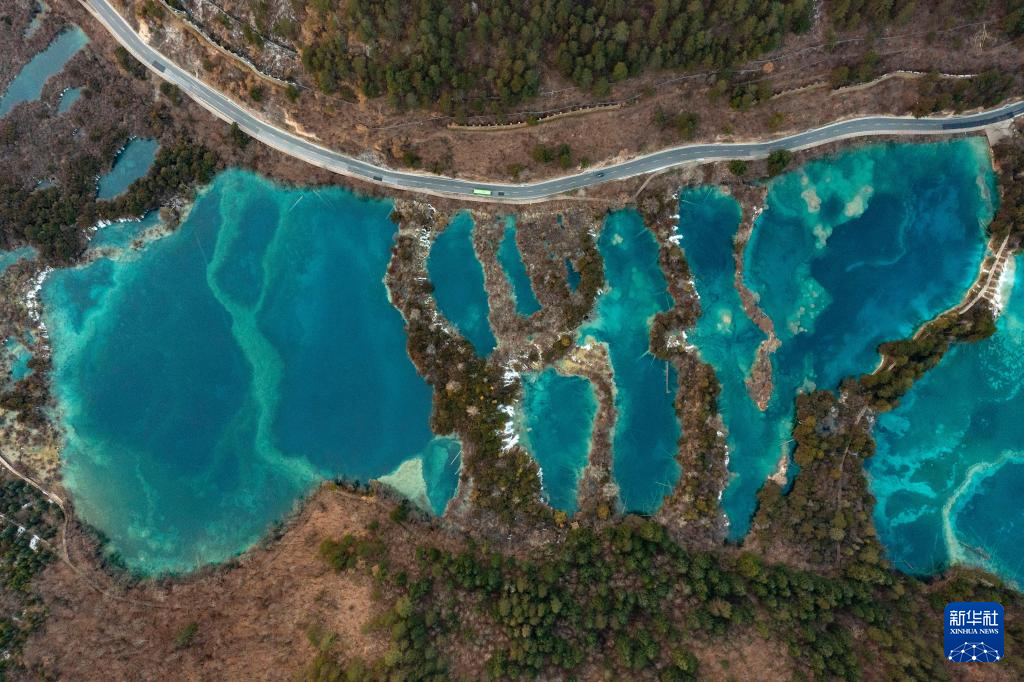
<point>974,632</point>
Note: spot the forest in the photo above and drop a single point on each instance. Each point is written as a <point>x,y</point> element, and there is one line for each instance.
<point>482,57</point>
<point>473,58</point>
<point>627,602</point>
<point>24,515</point>
<point>52,219</point>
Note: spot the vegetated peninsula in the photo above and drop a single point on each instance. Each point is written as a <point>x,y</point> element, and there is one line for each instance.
<point>753,419</point>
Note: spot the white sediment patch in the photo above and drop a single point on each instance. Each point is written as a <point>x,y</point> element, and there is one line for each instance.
<point>509,435</point>
<point>90,232</point>
<point>724,323</point>
<point>755,214</point>
<point>514,365</point>
<point>811,198</point>
<point>676,340</point>
<point>424,239</point>
<point>976,473</point>
<point>32,304</point>
<point>1004,287</point>
<point>856,206</point>
<point>408,479</point>
<point>821,235</point>
<point>101,223</point>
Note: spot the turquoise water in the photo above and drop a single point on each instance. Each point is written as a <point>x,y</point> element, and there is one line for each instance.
<point>558,417</point>
<point>27,86</point>
<point>20,356</point>
<point>132,163</point>
<point>512,262</point>
<point>123,233</point>
<point>647,430</point>
<point>851,252</point>
<point>458,280</point>
<point>68,99</point>
<point>9,258</point>
<point>211,379</point>
<point>949,467</point>
<point>727,339</point>
<point>572,277</point>
<point>442,459</point>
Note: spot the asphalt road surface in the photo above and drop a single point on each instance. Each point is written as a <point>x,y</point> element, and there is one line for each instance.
<point>289,143</point>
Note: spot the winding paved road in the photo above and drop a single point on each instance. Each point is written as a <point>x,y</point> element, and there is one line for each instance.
<point>289,143</point>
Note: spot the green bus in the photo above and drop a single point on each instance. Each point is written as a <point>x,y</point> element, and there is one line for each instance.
<point>482,192</point>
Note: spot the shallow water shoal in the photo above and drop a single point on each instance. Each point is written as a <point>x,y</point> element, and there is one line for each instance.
<point>19,356</point>
<point>431,478</point>
<point>9,258</point>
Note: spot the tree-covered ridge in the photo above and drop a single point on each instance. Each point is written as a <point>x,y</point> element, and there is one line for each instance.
<point>474,57</point>
<point>28,524</point>
<point>855,14</point>
<point>627,602</point>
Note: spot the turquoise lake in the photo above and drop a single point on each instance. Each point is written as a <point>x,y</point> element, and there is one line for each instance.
<point>512,262</point>
<point>573,278</point>
<point>132,163</point>
<point>949,467</point>
<point>850,252</point>
<point>68,99</point>
<point>9,258</point>
<point>646,430</point>
<point>458,280</point>
<point>558,417</point>
<point>27,86</point>
<point>211,379</point>
<point>20,356</point>
<point>727,339</point>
